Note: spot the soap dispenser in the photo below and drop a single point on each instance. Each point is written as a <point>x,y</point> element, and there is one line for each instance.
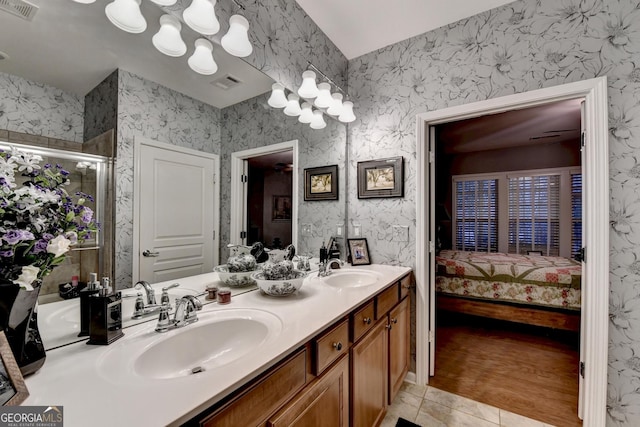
<point>92,288</point>
<point>105,325</point>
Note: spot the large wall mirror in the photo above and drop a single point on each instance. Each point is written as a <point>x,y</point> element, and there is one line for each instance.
<point>70,75</point>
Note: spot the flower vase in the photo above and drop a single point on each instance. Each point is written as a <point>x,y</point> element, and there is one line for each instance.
<point>18,320</point>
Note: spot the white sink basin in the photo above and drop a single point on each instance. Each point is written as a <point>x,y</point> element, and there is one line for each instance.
<point>217,340</point>
<point>351,278</point>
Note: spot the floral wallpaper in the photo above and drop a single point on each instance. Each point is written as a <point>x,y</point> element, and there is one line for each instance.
<point>522,46</point>
<point>101,107</point>
<point>155,112</point>
<point>38,109</point>
<point>252,124</point>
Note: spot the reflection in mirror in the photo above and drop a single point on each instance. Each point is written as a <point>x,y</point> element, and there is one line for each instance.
<point>68,74</point>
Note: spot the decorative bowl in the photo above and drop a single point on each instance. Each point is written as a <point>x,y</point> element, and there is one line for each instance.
<point>280,287</point>
<point>239,279</point>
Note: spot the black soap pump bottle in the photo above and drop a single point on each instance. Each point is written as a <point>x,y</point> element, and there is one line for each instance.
<point>324,254</point>
<point>105,324</point>
<point>92,288</point>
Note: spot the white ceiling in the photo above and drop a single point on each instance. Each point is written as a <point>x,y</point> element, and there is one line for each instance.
<point>357,27</point>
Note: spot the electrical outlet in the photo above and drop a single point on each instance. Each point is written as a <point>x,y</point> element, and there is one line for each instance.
<point>307,229</point>
<point>400,233</point>
<point>339,230</point>
<point>357,230</point>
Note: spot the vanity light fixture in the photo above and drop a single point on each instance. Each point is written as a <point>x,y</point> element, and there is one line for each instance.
<point>126,15</point>
<point>236,41</point>
<point>293,106</point>
<point>318,120</point>
<point>324,99</point>
<point>336,105</point>
<point>168,40</point>
<point>308,88</point>
<point>277,99</point>
<point>306,116</point>
<point>347,116</point>
<point>201,16</point>
<point>202,61</point>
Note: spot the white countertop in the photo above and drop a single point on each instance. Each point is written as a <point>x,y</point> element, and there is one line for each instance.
<point>92,392</point>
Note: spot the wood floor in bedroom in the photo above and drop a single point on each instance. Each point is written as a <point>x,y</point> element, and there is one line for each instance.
<point>526,370</point>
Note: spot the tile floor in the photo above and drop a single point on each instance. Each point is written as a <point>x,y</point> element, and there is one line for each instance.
<point>430,407</point>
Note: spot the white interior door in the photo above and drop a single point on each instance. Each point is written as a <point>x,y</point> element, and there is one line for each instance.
<point>584,283</point>
<point>431,173</point>
<point>177,199</point>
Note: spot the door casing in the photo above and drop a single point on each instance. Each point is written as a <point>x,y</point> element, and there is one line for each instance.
<point>595,297</point>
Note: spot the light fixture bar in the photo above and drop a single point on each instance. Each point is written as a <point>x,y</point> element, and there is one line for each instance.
<point>239,5</point>
<point>337,86</point>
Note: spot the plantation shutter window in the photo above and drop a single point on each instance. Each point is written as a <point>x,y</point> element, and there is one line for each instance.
<point>476,215</point>
<point>576,214</point>
<point>534,214</point>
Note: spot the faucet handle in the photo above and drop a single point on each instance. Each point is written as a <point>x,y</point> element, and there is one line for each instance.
<point>164,298</point>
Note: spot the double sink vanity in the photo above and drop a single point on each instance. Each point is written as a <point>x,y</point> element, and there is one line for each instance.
<point>336,352</point>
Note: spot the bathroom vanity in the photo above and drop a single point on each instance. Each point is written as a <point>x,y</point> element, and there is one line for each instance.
<point>336,352</point>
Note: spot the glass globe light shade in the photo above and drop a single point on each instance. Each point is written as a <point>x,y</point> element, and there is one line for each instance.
<point>168,40</point>
<point>236,41</point>
<point>201,16</point>
<point>293,106</point>
<point>165,2</point>
<point>126,15</point>
<point>306,116</point>
<point>318,120</point>
<point>308,88</point>
<point>336,106</point>
<point>202,61</point>
<point>347,115</point>
<point>324,98</point>
<point>85,1</point>
<point>277,98</point>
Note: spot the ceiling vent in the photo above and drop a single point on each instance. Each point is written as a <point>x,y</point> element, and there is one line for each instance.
<point>21,8</point>
<point>227,82</point>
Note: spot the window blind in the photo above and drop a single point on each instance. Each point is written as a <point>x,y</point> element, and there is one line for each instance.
<point>534,214</point>
<point>576,214</point>
<point>476,215</point>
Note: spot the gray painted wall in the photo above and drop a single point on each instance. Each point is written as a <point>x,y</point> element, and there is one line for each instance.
<point>519,47</point>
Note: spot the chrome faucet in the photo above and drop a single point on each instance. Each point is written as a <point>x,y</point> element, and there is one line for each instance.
<point>141,309</point>
<point>326,267</point>
<point>186,308</point>
<point>151,296</point>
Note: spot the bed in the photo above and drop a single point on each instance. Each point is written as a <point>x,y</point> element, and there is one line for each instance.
<point>532,289</point>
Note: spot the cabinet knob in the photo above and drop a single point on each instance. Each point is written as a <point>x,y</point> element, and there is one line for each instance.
<point>394,320</point>
<point>337,346</point>
<point>406,286</point>
<point>388,326</point>
<point>367,320</point>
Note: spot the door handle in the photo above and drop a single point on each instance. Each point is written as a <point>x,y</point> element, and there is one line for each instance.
<point>150,254</point>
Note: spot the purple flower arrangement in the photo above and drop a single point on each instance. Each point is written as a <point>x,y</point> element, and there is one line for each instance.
<point>39,221</point>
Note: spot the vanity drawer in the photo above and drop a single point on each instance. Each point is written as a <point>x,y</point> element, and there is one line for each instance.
<point>331,345</point>
<point>256,405</point>
<point>405,285</point>
<point>363,320</point>
<point>386,300</point>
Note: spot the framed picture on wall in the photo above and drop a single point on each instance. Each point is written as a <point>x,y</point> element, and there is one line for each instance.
<point>281,211</point>
<point>381,178</point>
<point>359,251</point>
<point>321,183</point>
<point>13,390</point>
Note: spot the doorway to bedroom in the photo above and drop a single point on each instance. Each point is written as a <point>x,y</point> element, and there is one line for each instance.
<point>508,213</point>
<point>594,282</point>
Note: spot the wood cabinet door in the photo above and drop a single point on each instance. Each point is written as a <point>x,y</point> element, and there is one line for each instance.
<point>369,366</point>
<point>399,319</point>
<point>324,403</point>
